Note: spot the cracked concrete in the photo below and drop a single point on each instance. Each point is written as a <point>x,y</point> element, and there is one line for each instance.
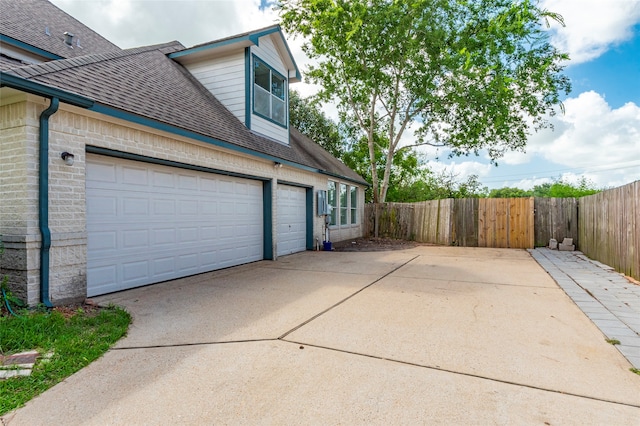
<point>424,335</point>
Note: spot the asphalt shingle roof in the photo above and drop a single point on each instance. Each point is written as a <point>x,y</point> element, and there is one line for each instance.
<point>6,63</point>
<point>28,21</point>
<point>143,81</point>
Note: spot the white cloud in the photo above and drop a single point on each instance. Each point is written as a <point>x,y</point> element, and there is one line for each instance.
<point>462,170</point>
<point>593,138</point>
<point>528,183</point>
<point>133,23</point>
<point>592,26</point>
<point>515,158</point>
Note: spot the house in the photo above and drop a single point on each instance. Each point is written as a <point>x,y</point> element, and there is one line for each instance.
<point>122,168</point>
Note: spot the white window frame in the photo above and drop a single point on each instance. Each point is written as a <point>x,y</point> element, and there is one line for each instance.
<point>343,203</point>
<point>257,89</point>
<point>342,215</point>
<point>332,200</point>
<point>353,205</point>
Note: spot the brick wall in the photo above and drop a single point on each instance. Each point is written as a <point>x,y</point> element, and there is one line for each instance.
<point>19,196</point>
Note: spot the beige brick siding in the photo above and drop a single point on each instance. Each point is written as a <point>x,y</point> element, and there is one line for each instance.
<point>19,195</point>
<point>72,129</point>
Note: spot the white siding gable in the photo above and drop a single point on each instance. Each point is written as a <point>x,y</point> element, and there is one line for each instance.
<point>268,52</point>
<point>224,77</point>
<point>226,68</point>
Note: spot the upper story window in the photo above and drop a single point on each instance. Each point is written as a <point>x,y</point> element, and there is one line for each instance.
<point>269,93</point>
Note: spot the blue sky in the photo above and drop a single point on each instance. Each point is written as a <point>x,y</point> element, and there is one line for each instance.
<point>598,137</point>
<point>615,74</point>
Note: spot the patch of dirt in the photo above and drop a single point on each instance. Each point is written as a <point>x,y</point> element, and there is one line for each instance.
<point>374,244</point>
<point>87,307</point>
<point>68,311</point>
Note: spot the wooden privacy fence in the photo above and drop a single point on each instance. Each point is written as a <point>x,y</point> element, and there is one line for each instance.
<point>604,226</point>
<point>609,228</point>
<point>505,222</point>
<point>426,221</point>
<point>485,222</point>
<point>555,218</point>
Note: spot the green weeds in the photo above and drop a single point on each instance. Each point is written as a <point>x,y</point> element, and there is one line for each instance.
<point>75,337</point>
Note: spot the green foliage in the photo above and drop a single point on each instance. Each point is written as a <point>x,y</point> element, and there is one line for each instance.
<point>75,342</point>
<point>462,75</point>
<point>563,189</point>
<point>405,167</point>
<point>508,192</point>
<point>306,116</point>
<point>434,186</point>
<point>556,189</point>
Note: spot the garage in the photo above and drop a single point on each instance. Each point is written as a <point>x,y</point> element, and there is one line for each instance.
<point>148,223</point>
<point>292,219</point>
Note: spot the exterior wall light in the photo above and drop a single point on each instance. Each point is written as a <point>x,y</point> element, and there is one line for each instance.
<point>68,158</point>
<point>277,165</point>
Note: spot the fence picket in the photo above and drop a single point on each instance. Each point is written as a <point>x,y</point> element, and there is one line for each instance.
<point>604,226</point>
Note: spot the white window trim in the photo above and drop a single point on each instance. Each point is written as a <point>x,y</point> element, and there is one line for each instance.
<point>271,95</point>
<point>338,206</point>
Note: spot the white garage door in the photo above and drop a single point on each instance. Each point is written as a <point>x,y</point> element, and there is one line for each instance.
<point>292,220</point>
<point>148,223</point>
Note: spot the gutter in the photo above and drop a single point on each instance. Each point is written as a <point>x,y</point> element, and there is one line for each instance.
<point>43,200</point>
<point>56,95</point>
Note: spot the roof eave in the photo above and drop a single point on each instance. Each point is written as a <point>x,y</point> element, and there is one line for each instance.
<point>190,134</point>
<point>240,42</point>
<point>294,75</point>
<point>29,48</point>
<point>220,46</point>
<point>39,89</point>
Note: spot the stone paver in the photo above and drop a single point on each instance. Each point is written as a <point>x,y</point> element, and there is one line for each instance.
<point>20,364</point>
<point>611,301</point>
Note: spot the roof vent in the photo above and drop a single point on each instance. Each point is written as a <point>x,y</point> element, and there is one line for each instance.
<point>68,39</point>
<point>46,31</point>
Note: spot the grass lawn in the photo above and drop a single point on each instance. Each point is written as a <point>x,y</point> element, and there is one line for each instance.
<point>76,337</point>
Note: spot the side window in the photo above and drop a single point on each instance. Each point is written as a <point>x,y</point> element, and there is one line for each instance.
<point>354,205</point>
<point>269,93</point>
<point>333,203</point>
<point>344,211</point>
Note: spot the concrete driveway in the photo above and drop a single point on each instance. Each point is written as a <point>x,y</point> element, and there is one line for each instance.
<point>424,335</point>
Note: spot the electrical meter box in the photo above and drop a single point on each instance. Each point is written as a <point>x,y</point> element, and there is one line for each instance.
<point>323,206</point>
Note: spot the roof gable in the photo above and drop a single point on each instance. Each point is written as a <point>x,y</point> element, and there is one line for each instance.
<point>238,42</point>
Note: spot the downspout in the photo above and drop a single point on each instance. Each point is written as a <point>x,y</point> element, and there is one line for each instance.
<point>43,200</point>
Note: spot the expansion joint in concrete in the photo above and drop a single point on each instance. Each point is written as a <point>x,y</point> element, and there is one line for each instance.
<point>461,373</point>
<point>347,298</point>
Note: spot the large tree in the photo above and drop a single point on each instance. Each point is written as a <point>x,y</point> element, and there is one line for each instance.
<point>306,116</point>
<point>462,74</point>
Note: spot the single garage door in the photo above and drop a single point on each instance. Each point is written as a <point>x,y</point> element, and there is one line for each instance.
<point>148,223</point>
<point>292,220</point>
